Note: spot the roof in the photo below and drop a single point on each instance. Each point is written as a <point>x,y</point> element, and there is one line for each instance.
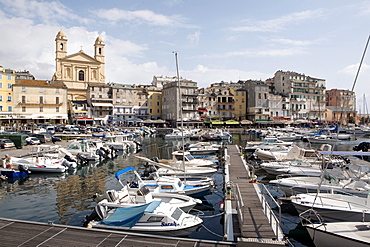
<point>39,83</point>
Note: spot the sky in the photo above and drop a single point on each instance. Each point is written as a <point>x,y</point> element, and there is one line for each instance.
<point>216,40</point>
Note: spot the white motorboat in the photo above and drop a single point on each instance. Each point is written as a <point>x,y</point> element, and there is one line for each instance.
<point>128,196</point>
<point>295,168</point>
<point>354,234</point>
<point>202,148</point>
<point>179,169</point>
<point>295,185</point>
<point>156,217</point>
<point>166,184</point>
<point>334,207</point>
<point>43,164</point>
<point>267,144</point>
<point>187,159</point>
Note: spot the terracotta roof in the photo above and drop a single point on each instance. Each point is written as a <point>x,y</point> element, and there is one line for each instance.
<point>40,83</point>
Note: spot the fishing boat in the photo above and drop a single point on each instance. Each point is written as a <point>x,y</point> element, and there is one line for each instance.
<point>156,217</point>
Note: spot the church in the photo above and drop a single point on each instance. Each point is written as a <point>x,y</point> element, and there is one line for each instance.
<point>76,71</point>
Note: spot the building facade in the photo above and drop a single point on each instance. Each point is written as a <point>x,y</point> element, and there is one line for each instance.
<point>76,71</point>
<point>40,102</point>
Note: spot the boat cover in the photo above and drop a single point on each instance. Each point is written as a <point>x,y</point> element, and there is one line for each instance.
<point>128,217</point>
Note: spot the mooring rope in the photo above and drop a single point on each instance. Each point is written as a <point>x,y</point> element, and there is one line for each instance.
<point>212,232</point>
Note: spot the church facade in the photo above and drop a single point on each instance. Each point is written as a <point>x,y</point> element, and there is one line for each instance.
<point>77,70</point>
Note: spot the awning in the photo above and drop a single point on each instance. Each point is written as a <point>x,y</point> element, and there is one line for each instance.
<point>103,104</point>
<point>80,111</point>
<point>202,110</point>
<point>232,122</point>
<point>217,122</point>
<point>246,122</point>
<point>85,119</point>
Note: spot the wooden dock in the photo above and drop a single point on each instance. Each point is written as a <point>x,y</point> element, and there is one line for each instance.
<point>255,225</point>
<point>21,233</point>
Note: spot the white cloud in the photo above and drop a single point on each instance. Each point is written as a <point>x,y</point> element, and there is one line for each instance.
<point>194,38</point>
<point>277,24</point>
<point>49,12</point>
<point>140,16</point>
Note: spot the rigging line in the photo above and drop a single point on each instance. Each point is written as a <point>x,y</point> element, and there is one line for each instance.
<point>362,59</point>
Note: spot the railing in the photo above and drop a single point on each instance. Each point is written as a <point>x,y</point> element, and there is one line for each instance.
<point>239,206</point>
<point>267,201</point>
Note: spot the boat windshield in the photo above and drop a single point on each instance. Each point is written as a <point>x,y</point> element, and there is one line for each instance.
<point>176,214</point>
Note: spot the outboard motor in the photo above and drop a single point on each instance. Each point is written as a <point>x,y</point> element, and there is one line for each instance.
<point>155,159</point>
<point>82,158</point>
<point>99,213</point>
<point>69,158</point>
<point>101,153</point>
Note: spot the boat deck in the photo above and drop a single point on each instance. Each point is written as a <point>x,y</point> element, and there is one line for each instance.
<point>21,233</point>
<point>255,224</point>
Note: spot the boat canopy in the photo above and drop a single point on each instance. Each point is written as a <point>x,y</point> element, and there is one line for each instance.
<point>127,169</point>
<point>345,153</point>
<point>128,217</point>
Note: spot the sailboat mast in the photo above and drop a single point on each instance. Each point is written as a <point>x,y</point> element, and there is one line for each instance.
<point>182,122</point>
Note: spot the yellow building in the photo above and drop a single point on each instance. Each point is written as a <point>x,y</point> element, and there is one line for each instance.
<point>76,71</point>
<point>155,104</point>
<point>7,80</point>
<point>240,104</point>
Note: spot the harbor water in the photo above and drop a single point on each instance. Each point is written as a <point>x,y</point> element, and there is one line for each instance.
<point>68,198</point>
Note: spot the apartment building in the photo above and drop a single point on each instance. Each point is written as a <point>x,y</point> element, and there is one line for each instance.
<point>7,80</point>
<point>40,101</point>
<point>306,94</point>
<point>342,105</point>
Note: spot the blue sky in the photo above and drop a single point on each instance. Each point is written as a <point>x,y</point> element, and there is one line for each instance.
<point>215,40</point>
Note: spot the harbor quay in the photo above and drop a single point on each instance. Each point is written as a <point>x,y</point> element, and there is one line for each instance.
<point>245,220</point>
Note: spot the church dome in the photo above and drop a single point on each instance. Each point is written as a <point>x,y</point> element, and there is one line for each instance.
<point>99,40</point>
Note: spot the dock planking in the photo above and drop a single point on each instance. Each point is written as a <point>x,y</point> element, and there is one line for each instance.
<point>24,233</point>
<point>255,223</point>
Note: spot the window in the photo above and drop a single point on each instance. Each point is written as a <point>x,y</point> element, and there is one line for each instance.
<point>23,89</point>
<point>23,109</point>
<point>9,86</point>
<point>9,98</point>
<point>41,109</point>
<point>1,98</point>
<point>1,108</point>
<point>1,76</point>
<point>9,77</point>
<point>41,89</point>
<point>23,99</point>
<point>92,88</point>
<point>41,100</point>
<point>57,90</point>
<point>57,109</point>
<point>57,100</point>
<point>81,75</point>
<point>1,85</point>
<point>10,108</point>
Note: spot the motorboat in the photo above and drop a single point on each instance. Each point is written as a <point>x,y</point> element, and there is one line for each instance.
<point>326,183</point>
<point>128,196</point>
<point>294,168</point>
<point>202,148</point>
<point>354,234</point>
<point>187,159</point>
<point>217,135</point>
<point>334,207</point>
<point>164,184</point>
<point>42,164</point>
<point>156,217</point>
<point>267,144</point>
<point>178,169</point>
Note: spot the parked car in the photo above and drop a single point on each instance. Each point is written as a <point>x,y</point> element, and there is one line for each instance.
<point>44,138</point>
<point>6,143</point>
<point>33,141</point>
<point>70,132</point>
<point>55,139</point>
